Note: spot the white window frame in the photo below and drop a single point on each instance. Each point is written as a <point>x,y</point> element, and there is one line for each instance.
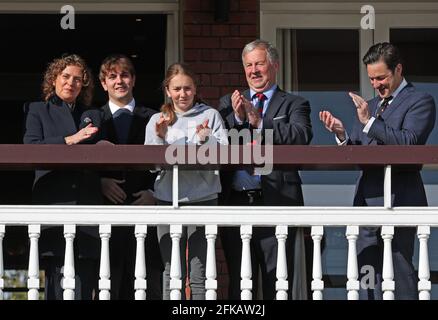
<point>345,15</point>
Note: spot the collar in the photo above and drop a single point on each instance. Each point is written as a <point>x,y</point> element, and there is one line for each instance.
<point>402,85</point>
<point>113,107</point>
<point>268,93</point>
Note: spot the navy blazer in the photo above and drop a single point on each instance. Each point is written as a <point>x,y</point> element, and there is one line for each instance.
<point>288,116</point>
<point>102,118</point>
<point>49,123</point>
<point>408,120</point>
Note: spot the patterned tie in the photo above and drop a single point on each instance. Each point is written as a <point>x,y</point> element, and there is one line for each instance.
<point>383,106</point>
<point>261,97</point>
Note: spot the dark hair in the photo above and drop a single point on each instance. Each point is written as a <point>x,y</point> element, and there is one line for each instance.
<point>172,71</point>
<point>113,61</point>
<point>385,52</point>
<point>56,67</point>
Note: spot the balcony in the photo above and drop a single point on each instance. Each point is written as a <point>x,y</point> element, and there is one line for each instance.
<point>29,157</point>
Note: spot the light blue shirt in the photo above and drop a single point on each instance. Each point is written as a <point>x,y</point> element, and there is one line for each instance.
<point>242,179</point>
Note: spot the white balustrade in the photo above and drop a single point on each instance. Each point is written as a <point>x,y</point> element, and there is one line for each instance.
<point>210,270</point>
<point>140,283</point>
<point>175,263</point>
<point>104,271</point>
<point>388,285</point>
<point>2,269</point>
<point>352,234</point>
<point>281,285</point>
<point>33,281</point>
<point>424,284</point>
<point>245,268</point>
<point>317,282</point>
<point>68,281</point>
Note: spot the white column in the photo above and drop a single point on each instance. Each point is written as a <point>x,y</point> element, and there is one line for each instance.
<point>2,269</point>
<point>281,285</point>
<point>175,263</point>
<point>424,284</point>
<point>175,192</point>
<point>210,270</point>
<point>352,234</point>
<point>245,269</point>
<point>387,187</point>
<point>33,281</point>
<point>68,281</point>
<point>388,285</point>
<point>140,284</point>
<point>317,283</point>
<point>104,272</point>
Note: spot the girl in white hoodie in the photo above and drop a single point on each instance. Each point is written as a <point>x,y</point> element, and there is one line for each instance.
<point>186,120</point>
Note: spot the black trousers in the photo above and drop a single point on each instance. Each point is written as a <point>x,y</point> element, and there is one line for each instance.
<point>263,252</point>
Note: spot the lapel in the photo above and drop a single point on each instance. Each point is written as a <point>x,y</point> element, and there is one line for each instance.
<point>108,124</point>
<point>62,116</point>
<point>397,101</point>
<point>273,107</point>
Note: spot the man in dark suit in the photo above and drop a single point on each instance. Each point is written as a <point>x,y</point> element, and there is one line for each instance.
<point>399,115</point>
<point>262,107</point>
<point>123,121</point>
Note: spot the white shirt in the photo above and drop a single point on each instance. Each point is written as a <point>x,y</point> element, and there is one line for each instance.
<point>130,106</point>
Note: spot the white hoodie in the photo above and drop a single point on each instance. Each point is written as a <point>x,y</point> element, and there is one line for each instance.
<point>193,185</point>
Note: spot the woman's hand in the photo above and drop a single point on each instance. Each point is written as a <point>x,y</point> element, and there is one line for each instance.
<point>81,135</point>
<point>203,131</point>
<point>161,126</point>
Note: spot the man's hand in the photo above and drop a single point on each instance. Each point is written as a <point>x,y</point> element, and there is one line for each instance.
<point>144,197</point>
<point>112,191</point>
<point>237,103</point>
<point>252,113</point>
<point>332,124</point>
<point>161,126</point>
<point>363,113</point>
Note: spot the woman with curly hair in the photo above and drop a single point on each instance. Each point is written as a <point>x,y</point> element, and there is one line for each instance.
<point>67,89</point>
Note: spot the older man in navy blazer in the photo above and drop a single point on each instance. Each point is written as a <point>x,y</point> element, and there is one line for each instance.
<point>399,115</point>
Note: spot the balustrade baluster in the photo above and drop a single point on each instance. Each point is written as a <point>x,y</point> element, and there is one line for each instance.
<point>2,269</point>
<point>140,284</point>
<point>352,234</point>
<point>105,272</point>
<point>245,269</point>
<point>424,284</point>
<point>68,281</point>
<point>281,285</point>
<point>388,285</point>
<point>317,283</point>
<point>175,264</point>
<point>210,270</point>
<point>33,282</point>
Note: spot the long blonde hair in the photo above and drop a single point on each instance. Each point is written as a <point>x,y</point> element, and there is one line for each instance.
<point>174,70</point>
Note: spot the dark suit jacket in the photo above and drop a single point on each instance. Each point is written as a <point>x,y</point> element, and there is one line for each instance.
<point>408,120</point>
<point>102,118</point>
<point>49,123</point>
<point>288,116</point>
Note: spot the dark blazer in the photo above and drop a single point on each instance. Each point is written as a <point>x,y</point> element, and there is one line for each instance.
<point>408,120</point>
<point>102,118</point>
<point>288,116</point>
<point>49,123</point>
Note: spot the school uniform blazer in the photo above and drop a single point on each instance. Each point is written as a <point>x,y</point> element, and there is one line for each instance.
<point>49,123</point>
<point>408,120</point>
<point>103,119</point>
<point>288,116</point>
